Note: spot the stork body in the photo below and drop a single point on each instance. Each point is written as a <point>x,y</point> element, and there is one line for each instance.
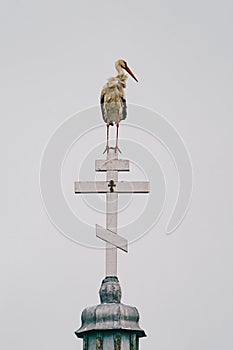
<point>112,100</point>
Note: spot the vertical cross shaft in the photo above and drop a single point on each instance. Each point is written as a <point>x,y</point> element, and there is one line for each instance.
<point>111,219</point>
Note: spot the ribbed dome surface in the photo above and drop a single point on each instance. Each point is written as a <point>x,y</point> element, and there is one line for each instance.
<point>111,314</point>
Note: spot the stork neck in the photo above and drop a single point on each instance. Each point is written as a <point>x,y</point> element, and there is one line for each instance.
<point>119,70</point>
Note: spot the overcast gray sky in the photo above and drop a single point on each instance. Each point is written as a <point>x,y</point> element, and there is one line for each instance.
<point>55,58</point>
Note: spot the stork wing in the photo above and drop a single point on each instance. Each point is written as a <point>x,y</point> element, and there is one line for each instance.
<point>124,111</point>
<point>102,105</point>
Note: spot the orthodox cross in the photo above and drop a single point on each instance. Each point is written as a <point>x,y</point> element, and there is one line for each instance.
<point>111,187</point>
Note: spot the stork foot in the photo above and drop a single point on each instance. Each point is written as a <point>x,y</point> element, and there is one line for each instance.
<point>106,149</point>
<point>117,149</point>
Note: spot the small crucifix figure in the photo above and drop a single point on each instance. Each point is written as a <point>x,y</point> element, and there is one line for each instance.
<point>111,187</point>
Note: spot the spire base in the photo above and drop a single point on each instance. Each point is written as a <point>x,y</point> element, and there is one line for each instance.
<point>108,325</point>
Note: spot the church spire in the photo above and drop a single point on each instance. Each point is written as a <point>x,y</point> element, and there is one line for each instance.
<point>111,325</point>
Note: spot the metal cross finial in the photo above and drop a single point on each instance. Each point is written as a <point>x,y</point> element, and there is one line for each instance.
<point>111,187</point>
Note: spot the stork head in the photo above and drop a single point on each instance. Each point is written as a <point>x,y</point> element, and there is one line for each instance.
<point>123,64</point>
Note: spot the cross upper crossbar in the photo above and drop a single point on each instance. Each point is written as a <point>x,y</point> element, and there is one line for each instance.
<point>112,165</point>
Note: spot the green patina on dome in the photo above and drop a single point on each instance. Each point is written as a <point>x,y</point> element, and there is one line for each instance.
<point>111,314</point>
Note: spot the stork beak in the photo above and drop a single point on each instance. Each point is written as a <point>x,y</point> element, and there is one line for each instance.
<point>130,72</point>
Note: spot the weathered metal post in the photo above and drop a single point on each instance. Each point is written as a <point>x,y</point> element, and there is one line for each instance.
<point>111,325</point>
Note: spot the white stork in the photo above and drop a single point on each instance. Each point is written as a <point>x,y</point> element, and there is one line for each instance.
<point>112,100</point>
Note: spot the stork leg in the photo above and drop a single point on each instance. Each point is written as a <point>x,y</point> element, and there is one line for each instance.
<point>107,145</point>
<point>117,134</point>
